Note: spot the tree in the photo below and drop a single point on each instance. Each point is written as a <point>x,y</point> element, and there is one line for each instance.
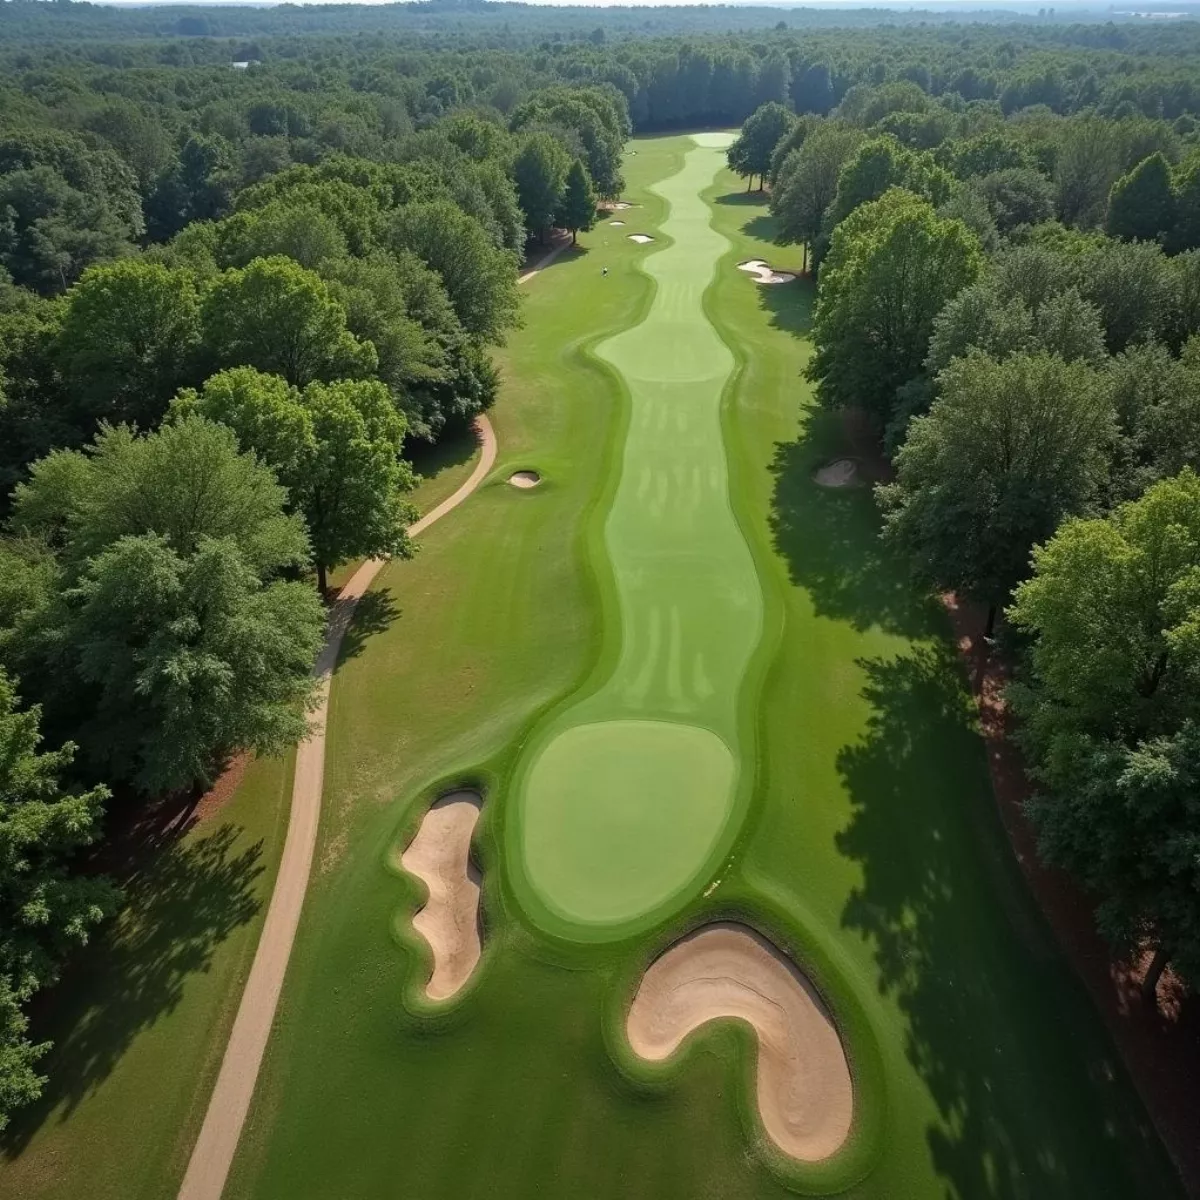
<point>45,909</point>
<point>880,164</point>
<point>892,268</point>
<point>280,318</point>
<point>750,154</point>
<point>1006,450</point>
<point>807,182</point>
<point>336,448</point>
<point>191,658</point>
<point>578,208</point>
<point>1141,205</point>
<point>540,171</point>
<point>1111,714</point>
<point>479,277</point>
<point>130,335</point>
<point>173,642</point>
<point>1132,285</point>
<point>186,482</point>
<point>1015,196</point>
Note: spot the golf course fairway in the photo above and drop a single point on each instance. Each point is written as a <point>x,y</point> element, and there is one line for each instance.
<point>624,801</point>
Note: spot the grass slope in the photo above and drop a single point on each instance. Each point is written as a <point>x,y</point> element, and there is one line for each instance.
<point>141,1021</point>
<point>871,847</point>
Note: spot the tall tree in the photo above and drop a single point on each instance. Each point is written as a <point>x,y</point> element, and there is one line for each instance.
<point>1141,205</point>
<point>130,335</point>
<point>892,267</point>
<point>578,208</point>
<point>336,448</point>
<point>807,182</point>
<point>46,910</point>
<point>764,129</point>
<point>540,171</point>
<point>1111,715</point>
<point>174,643</point>
<point>1006,450</point>
<point>280,318</point>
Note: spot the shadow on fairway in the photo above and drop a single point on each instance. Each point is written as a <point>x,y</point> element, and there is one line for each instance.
<point>790,305</point>
<point>829,538</point>
<point>181,904</point>
<point>1032,1099</point>
<point>455,447</point>
<point>373,615</point>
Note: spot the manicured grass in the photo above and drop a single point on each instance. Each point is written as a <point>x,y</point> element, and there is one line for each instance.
<point>870,848</point>
<point>141,1021</point>
<point>625,802</point>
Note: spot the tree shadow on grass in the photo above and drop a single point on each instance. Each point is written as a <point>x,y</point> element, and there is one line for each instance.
<point>829,538</point>
<point>182,902</point>
<point>457,445</point>
<point>790,305</point>
<point>373,615</point>
<point>756,197</point>
<point>1030,1095</point>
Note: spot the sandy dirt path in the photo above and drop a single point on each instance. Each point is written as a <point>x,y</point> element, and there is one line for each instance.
<point>440,857</point>
<point>213,1153</point>
<point>727,970</point>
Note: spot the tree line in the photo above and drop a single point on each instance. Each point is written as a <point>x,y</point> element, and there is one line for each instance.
<point>1014,305</point>
<point>208,376</point>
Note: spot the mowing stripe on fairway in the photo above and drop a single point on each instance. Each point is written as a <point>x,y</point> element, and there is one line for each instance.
<point>623,799</point>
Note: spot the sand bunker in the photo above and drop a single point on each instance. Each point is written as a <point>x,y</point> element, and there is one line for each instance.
<point>619,205</point>
<point>763,272</point>
<point>616,222</point>
<point>840,473</point>
<point>728,970</point>
<point>440,856</point>
<point>640,238</point>
<point>524,479</point>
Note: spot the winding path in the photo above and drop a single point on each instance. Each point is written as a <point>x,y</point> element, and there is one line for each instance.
<point>212,1155</point>
<point>213,1152</point>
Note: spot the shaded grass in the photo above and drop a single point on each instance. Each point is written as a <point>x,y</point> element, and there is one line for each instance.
<point>140,1022</point>
<point>872,849</point>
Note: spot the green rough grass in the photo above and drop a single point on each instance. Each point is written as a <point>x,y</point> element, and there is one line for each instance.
<point>141,1020</point>
<point>871,847</point>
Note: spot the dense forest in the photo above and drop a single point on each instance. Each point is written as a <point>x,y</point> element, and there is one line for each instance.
<point>247,256</point>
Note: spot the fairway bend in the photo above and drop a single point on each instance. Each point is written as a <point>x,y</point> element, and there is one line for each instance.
<point>625,801</point>
<point>213,1152</point>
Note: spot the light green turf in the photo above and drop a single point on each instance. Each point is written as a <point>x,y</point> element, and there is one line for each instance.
<point>618,819</point>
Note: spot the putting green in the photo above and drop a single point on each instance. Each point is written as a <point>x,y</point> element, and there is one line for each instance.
<point>623,802</point>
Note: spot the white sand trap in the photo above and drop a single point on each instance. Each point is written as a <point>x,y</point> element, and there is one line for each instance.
<point>440,856</point>
<point>841,472</point>
<point>619,205</point>
<point>640,238</point>
<point>728,970</point>
<point>524,479</point>
<point>616,222</point>
<point>763,272</point>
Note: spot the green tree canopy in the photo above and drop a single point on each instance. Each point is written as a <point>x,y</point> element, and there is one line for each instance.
<point>1111,713</point>
<point>764,129</point>
<point>280,318</point>
<point>1141,205</point>
<point>45,910</point>
<point>540,170</point>
<point>578,207</point>
<point>1006,450</point>
<point>130,336</point>
<point>892,267</point>
<point>335,447</point>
